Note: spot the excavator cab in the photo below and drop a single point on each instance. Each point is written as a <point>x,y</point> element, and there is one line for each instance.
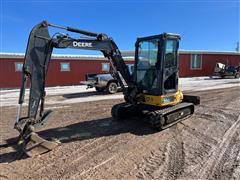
<point>156,67</point>
<point>156,64</point>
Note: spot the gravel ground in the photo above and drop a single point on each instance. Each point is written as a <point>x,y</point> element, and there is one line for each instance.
<point>94,146</point>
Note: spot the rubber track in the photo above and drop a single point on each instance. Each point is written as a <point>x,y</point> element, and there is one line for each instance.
<point>155,116</point>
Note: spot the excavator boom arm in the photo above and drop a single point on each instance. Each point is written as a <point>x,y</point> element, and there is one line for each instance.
<point>37,58</point>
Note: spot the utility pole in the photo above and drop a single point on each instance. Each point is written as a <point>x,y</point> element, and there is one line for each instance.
<point>237,48</point>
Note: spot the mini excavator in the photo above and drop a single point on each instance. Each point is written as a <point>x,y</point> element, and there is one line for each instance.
<point>151,91</point>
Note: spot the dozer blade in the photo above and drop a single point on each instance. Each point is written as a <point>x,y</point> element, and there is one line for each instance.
<point>35,145</point>
<point>191,99</point>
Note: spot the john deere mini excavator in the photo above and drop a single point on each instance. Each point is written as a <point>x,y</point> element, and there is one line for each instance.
<point>152,90</point>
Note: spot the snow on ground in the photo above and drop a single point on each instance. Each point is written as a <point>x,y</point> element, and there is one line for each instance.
<point>10,97</point>
<point>206,83</point>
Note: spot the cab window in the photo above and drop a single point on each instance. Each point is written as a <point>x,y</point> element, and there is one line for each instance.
<point>171,53</point>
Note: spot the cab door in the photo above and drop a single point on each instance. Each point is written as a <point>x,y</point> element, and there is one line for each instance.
<point>170,66</point>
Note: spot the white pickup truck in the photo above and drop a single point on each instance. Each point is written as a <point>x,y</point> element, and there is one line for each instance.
<point>104,82</point>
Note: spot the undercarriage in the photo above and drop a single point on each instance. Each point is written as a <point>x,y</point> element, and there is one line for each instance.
<point>158,118</point>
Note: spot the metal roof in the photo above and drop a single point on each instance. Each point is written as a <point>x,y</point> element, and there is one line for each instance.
<point>182,51</point>
<point>4,55</point>
<point>127,55</point>
<point>208,52</point>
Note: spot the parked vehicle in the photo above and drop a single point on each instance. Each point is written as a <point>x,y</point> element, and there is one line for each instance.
<point>104,82</point>
<point>223,70</point>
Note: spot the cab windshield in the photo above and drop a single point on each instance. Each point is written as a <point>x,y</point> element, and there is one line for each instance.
<point>147,63</point>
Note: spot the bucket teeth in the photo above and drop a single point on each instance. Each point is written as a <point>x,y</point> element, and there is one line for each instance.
<point>35,145</point>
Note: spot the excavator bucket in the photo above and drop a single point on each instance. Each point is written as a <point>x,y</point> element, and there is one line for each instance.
<point>35,145</point>
<point>30,142</point>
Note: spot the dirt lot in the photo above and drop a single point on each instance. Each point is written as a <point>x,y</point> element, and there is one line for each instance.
<point>94,146</point>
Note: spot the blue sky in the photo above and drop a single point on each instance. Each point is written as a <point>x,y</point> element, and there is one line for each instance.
<point>203,25</point>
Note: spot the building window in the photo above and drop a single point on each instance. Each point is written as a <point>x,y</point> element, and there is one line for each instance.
<point>18,66</point>
<point>105,67</point>
<point>65,66</point>
<point>196,61</point>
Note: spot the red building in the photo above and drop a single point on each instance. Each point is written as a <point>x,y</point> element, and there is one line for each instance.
<point>202,63</point>
<point>71,69</point>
